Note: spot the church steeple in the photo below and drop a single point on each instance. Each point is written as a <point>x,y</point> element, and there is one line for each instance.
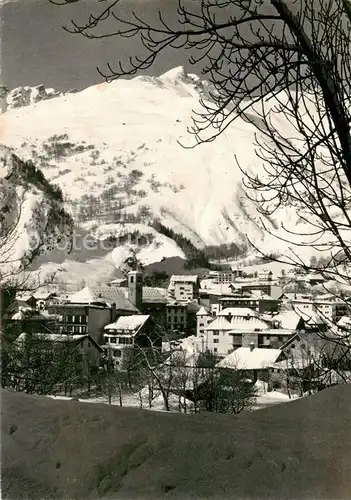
<point>135,287</point>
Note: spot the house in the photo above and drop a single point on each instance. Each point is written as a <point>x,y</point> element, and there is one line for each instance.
<point>184,288</point>
<point>38,299</point>
<point>269,287</point>
<point>127,335</point>
<point>119,282</point>
<point>308,358</point>
<point>192,309</point>
<point>91,309</point>
<point>255,362</point>
<point>27,320</point>
<point>328,306</point>
<point>224,277</point>
<point>344,324</point>
<point>203,319</point>
<point>181,318</point>
<point>254,299</point>
<point>265,275</point>
<point>233,328</point>
<point>331,307</point>
<point>288,320</point>
<point>177,316</point>
<point>89,350</point>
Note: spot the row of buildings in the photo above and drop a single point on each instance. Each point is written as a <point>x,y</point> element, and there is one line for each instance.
<point>220,317</point>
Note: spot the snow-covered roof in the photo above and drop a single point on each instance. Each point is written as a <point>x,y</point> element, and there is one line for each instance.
<point>311,318</point>
<point>128,323</point>
<point>246,359</point>
<point>43,294</point>
<point>84,296</point>
<point>103,294</point>
<point>345,322</point>
<point>202,312</point>
<point>175,278</point>
<point>154,295</point>
<point>56,337</point>
<point>193,307</point>
<point>19,315</point>
<point>237,323</point>
<point>288,319</point>
<point>118,281</point>
<point>150,294</point>
<point>24,296</point>
<point>217,289</point>
<point>237,312</point>
<point>40,294</point>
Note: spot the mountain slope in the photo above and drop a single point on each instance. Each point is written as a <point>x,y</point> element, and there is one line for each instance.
<point>118,143</point>
<point>32,216</point>
<point>66,449</point>
<point>114,151</point>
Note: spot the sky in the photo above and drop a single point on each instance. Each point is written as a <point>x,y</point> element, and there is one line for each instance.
<point>36,50</point>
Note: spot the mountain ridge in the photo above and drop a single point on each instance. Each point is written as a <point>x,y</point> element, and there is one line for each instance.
<point>114,151</point>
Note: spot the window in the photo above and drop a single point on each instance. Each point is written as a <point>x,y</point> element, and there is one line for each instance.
<point>112,340</point>
<point>237,339</point>
<point>132,279</point>
<point>201,331</point>
<point>215,333</point>
<point>215,349</point>
<point>117,353</point>
<point>216,341</point>
<point>201,324</point>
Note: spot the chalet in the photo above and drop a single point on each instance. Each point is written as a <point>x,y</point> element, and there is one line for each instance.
<point>89,350</point>
<point>129,333</point>
<point>308,358</point>
<point>38,299</point>
<point>256,363</point>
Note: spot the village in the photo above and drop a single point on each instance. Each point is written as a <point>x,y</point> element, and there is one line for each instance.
<point>272,345</point>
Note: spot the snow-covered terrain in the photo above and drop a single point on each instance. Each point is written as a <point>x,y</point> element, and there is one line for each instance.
<point>31,214</point>
<point>114,151</point>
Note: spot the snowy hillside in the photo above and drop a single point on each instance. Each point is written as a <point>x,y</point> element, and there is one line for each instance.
<point>31,214</point>
<point>114,151</point>
<point>119,143</point>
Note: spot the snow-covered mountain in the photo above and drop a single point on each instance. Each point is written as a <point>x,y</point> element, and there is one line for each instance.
<point>32,217</point>
<point>114,151</point>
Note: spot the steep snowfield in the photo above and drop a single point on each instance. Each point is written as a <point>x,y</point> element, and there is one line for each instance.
<point>138,123</point>
<point>114,150</point>
<point>30,215</point>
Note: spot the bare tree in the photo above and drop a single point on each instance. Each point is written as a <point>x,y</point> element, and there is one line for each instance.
<point>313,363</point>
<point>111,380</point>
<point>264,61</point>
<point>282,66</point>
